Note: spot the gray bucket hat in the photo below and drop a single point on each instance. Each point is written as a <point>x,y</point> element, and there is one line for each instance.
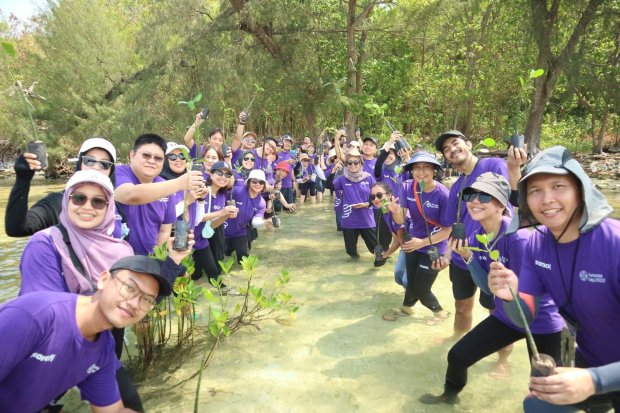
<point>444,136</point>
<point>559,161</point>
<point>494,185</point>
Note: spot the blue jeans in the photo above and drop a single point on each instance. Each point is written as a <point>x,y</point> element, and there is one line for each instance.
<point>400,269</point>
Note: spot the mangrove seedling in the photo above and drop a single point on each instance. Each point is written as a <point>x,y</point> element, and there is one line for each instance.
<point>433,252</point>
<point>543,364</point>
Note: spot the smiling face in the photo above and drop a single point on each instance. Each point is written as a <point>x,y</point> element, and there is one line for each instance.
<point>220,178</point>
<point>256,186</point>
<point>481,211</point>
<point>391,158</point>
<point>553,199</point>
<point>99,155</point>
<point>287,144</point>
<point>210,157</point>
<point>423,171</point>
<point>379,193</point>
<point>354,164</point>
<point>116,309</point>
<point>216,140</point>
<point>86,216</point>
<point>147,161</point>
<point>369,148</point>
<point>248,161</point>
<point>456,151</point>
<point>177,166</point>
<point>249,142</point>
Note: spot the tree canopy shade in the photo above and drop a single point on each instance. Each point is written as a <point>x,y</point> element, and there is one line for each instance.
<point>117,68</point>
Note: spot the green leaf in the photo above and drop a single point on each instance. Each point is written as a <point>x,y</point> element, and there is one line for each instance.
<point>197,98</point>
<point>521,81</point>
<point>482,238</point>
<point>422,185</point>
<point>494,255</point>
<point>181,102</point>
<point>191,105</point>
<point>9,49</point>
<point>536,73</point>
<point>475,249</point>
<point>489,142</point>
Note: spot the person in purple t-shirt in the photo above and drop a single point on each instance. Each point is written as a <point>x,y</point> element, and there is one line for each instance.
<point>357,217</point>
<point>145,196</point>
<point>244,165</point>
<point>53,341</point>
<point>215,139</point>
<point>573,258</point>
<point>487,203</point>
<point>305,176</point>
<point>369,151</point>
<point>251,209</point>
<point>423,199</point>
<point>456,149</point>
<point>287,155</point>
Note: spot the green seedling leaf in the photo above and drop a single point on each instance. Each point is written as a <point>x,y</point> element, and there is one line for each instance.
<point>197,98</point>
<point>536,73</point>
<point>489,142</point>
<point>422,186</point>
<point>181,102</point>
<point>494,255</point>
<point>522,81</point>
<point>482,238</point>
<point>9,49</point>
<point>476,249</point>
<point>398,169</point>
<point>191,105</point>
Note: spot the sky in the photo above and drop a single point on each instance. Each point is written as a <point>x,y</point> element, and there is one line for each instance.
<point>21,8</point>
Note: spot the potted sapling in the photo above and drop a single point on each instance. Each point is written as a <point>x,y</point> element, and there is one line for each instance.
<point>433,252</point>
<point>458,228</point>
<point>517,140</point>
<point>542,364</point>
<point>181,226</point>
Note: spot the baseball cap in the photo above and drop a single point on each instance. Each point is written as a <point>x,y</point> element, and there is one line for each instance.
<point>444,136</point>
<point>98,143</point>
<point>171,146</point>
<point>494,185</point>
<point>249,135</point>
<point>287,137</point>
<point>90,176</point>
<point>145,265</point>
<point>372,139</point>
<point>220,165</point>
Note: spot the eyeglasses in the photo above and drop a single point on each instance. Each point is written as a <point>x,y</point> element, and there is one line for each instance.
<point>469,195</point>
<point>79,199</point>
<point>305,160</point>
<point>256,182</point>
<point>91,162</point>
<point>249,159</point>
<point>378,195</point>
<point>353,163</point>
<point>129,292</point>
<point>222,173</point>
<point>148,156</point>
<point>250,141</point>
<point>175,156</point>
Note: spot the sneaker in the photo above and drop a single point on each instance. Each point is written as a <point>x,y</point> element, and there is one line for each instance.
<point>380,262</point>
<point>443,398</point>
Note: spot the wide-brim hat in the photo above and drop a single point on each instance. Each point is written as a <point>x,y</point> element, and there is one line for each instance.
<point>102,143</point>
<point>495,185</point>
<point>171,146</point>
<point>423,157</point>
<point>256,174</point>
<point>304,156</point>
<point>444,136</point>
<point>145,265</point>
<point>249,135</point>
<point>284,166</point>
<point>354,153</point>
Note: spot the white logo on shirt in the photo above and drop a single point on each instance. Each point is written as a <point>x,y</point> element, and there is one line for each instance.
<point>346,210</point>
<point>543,264</point>
<point>428,204</point>
<point>593,278</point>
<point>163,199</point>
<point>92,369</point>
<point>43,358</point>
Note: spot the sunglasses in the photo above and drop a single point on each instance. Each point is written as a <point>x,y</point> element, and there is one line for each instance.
<point>350,163</point>
<point>91,162</point>
<point>174,157</point>
<point>249,159</point>
<point>256,182</point>
<point>378,195</point>
<point>469,195</point>
<point>305,160</point>
<point>79,199</point>
<point>148,156</point>
<point>222,173</point>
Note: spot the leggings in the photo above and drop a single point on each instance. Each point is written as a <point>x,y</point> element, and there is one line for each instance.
<point>350,239</point>
<point>385,234</point>
<point>306,187</point>
<point>217,244</point>
<point>239,245</point>
<point>486,338</point>
<point>420,280</point>
<point>204,263</point>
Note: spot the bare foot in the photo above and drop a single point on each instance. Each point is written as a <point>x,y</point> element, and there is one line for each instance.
<point>501,371</point>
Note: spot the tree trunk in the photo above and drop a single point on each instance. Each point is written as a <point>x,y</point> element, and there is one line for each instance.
<point>600,139</point>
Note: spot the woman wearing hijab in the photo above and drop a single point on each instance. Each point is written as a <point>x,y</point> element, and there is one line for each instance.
<point>243,167</point>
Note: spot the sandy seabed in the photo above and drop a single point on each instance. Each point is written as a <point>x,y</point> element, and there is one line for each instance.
<point>339,355</point>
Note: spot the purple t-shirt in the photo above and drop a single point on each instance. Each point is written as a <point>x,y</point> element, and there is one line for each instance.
<point>392,225</point>
<point>433,204</point>
<point>248,209</point>
<point>390,177</point>
<point>145,220</point>
<point>511,250</point>
<point>496,165</point>
<point>41,266</point>
<point>44,354</point>
<point>287,182</point>
<point>217,203</point>
<point>583,278</point>
<point>369,165</point>
<point>355,193</point>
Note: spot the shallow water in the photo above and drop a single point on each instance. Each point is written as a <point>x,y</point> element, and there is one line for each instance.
<point>338,356</point>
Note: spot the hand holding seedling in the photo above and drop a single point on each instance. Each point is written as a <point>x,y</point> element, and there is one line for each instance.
<point>230,211</point>
<point>568,385</point>
<point>31,158</point>
<point>442,263</point>
<point>501,280</point>
<point>176,255</point>
<point>461,247</point>
<point>191,180</point>
<point>404,154</point>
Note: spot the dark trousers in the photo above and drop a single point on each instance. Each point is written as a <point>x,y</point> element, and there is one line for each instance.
<point>350,239</point>
<point>420,279</point>
<point>289,195</point>
<point>204,263</point>
<point>486,338</point>
<point>239,245</point>
<point>126,387</point>
<point>385,234</point>
<point>217,243</point>
<point>306,187</point>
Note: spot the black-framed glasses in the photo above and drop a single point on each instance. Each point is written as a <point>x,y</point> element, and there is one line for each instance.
<point>175,156</point>
<point>256,182</point>
<point>247,158</point>
<point>378,195</point>
<point>219,172</point>
<point>350,163</point>
<point>147,156</point>
<point>129,292</point>
<point>469,195</point>
<point>80,199</point>
<point>91,162</point>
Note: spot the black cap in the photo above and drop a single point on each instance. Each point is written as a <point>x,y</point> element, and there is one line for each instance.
<point>145,265</point>
<point>220,165</point>
<point>370,138</point>
<point>450,134</point>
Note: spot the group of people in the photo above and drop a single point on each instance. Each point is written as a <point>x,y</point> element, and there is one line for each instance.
<point>85,274</point>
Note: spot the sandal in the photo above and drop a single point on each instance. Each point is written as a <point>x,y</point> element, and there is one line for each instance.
<point>395,314</point>
<point>438,318</point>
